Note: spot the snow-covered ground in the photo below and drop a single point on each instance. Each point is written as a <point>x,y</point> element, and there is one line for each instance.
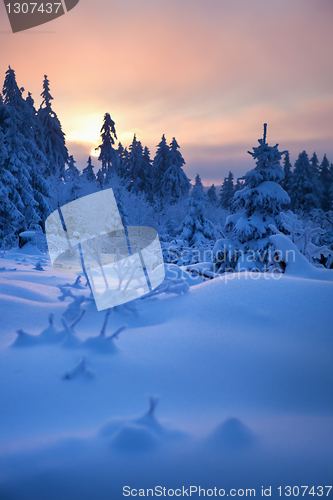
<point>241,365</point>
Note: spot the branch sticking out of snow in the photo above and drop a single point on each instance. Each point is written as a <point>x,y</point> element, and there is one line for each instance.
<point>153,402</point>
<point>106,318</point>
<point>117,332</point>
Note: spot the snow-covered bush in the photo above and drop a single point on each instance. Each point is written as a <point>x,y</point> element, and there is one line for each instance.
<point>302,235</point>
<point>177,251</point>
<point>225,255</point>
<point>325,221</point>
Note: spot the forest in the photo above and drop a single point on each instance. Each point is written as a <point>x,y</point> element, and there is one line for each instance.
<point>38,175</point>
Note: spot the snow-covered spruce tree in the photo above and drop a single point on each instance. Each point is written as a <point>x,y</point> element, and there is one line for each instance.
<point>17,161</point>
<point>326,179</point>
<point>134,173</point>
<point>315,164</point>
<point>138,171</point>
<point>198,190</point>
<point>10,217</point>
<point>160,166</point>
<point>306,190</point>
<point>35,148</point>
<point>88,173</point>
<point>53,137</point>
<point>227,192</point>
<point>72,180</point>
<point>88,182</point>
<point>100,179</point>
<point>195,228</point>
<point>260,203</point>
<point>286,181</point>
<point>175,182</point>
<point>122,160</point>
<point>148,169</point>
<point>108,155</point>
<point>36,127</point>
<point>212,196</point>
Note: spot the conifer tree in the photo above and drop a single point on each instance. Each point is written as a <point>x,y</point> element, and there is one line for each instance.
<point>10,217</point>
<point>306,191</point>
<point>122,160</point>
<point>53,136</point>
<point>33,122</point>
<point>286,181</point>
<point>135,173</point>
<point>100,179</point>
<point>227,192</point>
<point>315,165</point>
<point>17,161</point>
<point>72,172</point>
<point>195,228</point>
<point>72,178</point>
<point>108,155</point>
<point>326,180</point>
<point>35,148</point>
<point>175,182</point>
<point>212,196</point>
<point>148,172</point>
<point>261,199</point>
<point>160,166</point>
<point>88,172</point>
<point>197,190</point>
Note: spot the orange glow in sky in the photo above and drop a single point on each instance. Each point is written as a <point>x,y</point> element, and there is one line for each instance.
<point>208,72</point>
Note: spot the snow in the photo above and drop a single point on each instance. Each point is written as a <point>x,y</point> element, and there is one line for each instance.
<point>297,264</point>
<point>265,193</point>
<point>28,234</point>
<point>242,365</point>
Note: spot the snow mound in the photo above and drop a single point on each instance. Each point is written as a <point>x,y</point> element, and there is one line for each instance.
<point>134,438</point>
<point>79,371</point>
<point>103,344</point>
<point>71,341</point>
<point>27,249</point>
<point>173,272</point>
<point>296,264</point>
<point>232,435</point>
<point>143,429</point>
<point>3,269</point>
<point>25,339</point>
<point>51,335</point>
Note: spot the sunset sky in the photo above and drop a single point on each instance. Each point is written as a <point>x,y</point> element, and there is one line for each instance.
<point>208,72</point>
